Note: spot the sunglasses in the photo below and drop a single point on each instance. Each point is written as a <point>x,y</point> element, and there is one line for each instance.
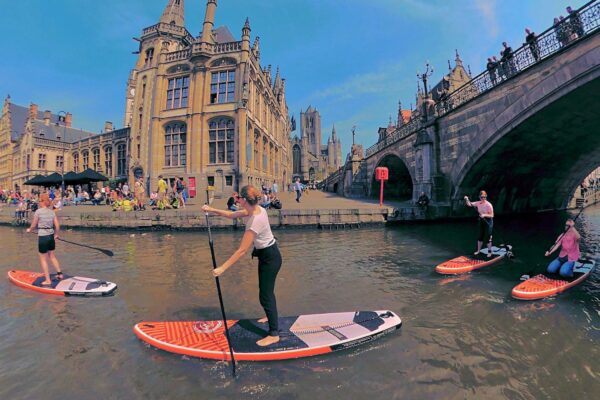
<point>483,197</point>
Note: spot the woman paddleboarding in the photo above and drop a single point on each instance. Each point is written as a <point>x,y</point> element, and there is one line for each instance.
<point>569,253</point>
<point>258,233</point>
<point>486,220</point>
<point>46,222</point>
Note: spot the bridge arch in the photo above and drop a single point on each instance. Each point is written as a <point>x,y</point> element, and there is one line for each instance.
<point>400,183</point>
<point>538,157</point>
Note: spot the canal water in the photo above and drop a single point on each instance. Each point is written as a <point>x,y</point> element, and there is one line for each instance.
<point>462,337</point>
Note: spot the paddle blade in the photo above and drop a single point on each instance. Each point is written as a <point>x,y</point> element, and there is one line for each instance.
<point>107,252</point>
<point>210,194</point>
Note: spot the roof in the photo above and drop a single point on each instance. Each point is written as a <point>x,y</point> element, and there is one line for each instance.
<point>54,132</point>
<point>19,116</point>
<point>406,115</point>
<point>223,35</point>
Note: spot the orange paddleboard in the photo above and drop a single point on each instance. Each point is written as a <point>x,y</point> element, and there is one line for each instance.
<point>541,286</point>
<point>68,286</point>
<point>463,264</point>
<point>301,336</point>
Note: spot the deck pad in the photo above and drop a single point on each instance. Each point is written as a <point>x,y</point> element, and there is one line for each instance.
<point>300,336</point>
<point>544,285</point>
<point>68,286</point>
<point>463,264</point>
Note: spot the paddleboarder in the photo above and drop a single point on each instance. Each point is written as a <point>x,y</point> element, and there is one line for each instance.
<point>486,220</point>
<point>569,252</point>
<point>46,222</point>
<point>258,233</point>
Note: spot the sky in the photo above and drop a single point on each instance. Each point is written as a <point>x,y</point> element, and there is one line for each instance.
<point>352,60</point>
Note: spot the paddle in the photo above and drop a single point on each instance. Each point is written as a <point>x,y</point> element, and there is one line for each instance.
<point>103,251</point>
<point>528,274</point>
<point>209,199</point>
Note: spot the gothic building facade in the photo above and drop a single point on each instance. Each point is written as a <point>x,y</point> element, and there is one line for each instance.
<point>311,160</point>
<point>203,108</point>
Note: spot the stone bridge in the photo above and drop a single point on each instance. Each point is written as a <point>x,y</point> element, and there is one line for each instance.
<point>528,138</point>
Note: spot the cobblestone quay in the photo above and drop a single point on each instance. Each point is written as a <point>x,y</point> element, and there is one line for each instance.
<point>315,210</point>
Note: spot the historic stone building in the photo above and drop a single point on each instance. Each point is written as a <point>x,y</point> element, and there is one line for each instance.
<point>204,109</point>
<point>311,160</point>
<point>39,143</point>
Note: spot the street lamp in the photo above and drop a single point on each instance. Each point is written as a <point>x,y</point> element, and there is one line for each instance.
<point>62,117</point>
<point>424,77</point>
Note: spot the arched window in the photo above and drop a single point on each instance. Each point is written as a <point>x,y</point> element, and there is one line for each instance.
<point>108,161</point>
<point>256,150</point>
<point>86,160</point>
<point>76,162</point>
<point>175,149</point>
<point>296,159</point>
<point>121,159</point>
<point>96,155</point>
<point>149,56</point>
<point>221,135</point>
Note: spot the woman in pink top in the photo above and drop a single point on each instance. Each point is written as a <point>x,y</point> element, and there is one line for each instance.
<point>486,220</point>
<point>569,253</point>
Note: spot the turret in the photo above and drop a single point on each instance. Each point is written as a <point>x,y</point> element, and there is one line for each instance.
<point>209,22</point>
<point>246,35</point>
<point>174,13</point>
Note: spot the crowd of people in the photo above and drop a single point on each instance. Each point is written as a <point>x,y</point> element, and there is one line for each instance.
<point>566,30</point>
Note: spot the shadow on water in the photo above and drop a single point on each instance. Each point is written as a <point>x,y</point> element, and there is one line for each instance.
<point>462,337</point>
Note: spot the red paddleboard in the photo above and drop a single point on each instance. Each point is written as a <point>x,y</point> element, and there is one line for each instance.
<point>463,264</point>
<point>541,286</point>
<point>301,336</point>
<point>68,286</point>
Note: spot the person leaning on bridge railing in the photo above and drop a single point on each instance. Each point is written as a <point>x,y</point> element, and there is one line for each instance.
<point>531,41</point>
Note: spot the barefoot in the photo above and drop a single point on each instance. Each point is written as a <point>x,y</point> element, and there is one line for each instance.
<point>262,320</point>
<point>477,252</point>
<point>269,340</point>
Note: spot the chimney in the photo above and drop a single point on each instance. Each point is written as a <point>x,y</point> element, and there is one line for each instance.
<point>33,111</point>
<point>68,120</point>
<point>108,126</point>
<point>47,115</point>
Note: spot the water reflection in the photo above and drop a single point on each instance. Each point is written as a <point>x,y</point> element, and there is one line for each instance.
<point>463,337</point>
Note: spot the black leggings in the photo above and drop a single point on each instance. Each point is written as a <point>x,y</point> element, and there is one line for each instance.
<point>269,263</point>
<point>486,225</point>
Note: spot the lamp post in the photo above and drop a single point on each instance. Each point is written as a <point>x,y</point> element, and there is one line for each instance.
<point>62,117</point>
<point>424,77</point>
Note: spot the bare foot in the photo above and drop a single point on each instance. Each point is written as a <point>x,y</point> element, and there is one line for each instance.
<point>267,341</point>
<point>477,252</point>
<point>262,320</point>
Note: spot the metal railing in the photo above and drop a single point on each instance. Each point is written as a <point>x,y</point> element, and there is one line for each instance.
<point>581,23</point>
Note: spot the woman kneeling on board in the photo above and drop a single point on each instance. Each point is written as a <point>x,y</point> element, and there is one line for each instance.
<point>569,253</point>
<point>46,222</point>
<point>258,232</point>
<point>486,220</point>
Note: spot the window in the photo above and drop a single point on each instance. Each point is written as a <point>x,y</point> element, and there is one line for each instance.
<point>175,150</point>
<point>256,151</point>
<point>177,92</point>
<point>96,154</point>
<point>41,160</point>
<point>86,160</point>
<point>121,159</point>
<point>211,181</point>
<point>76,162</point>
<point>222,87</point>
<point>60,162</point>
<point>228,180</point>
<point>265,155</point>
<point>296,159</point>
<point>220,141</point>
<point>108,161</point>
<point>149,56</point>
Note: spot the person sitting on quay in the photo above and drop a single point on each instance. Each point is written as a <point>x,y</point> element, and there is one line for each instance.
<point>97,198</point>
<point>233,202</point>
<point>265,201</point>
<point>153,199</point>
<point>423,201</point>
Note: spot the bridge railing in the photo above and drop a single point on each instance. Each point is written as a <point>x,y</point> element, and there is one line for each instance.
<point>581,23</point>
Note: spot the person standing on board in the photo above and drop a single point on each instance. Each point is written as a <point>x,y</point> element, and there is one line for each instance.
<point>258,233</point>
<point>569,252</point>
<point>486,220</point>
<point>46,222</point>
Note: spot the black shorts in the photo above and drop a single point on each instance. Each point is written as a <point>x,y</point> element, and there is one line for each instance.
<point>46,244</point>
<point>486,225</point>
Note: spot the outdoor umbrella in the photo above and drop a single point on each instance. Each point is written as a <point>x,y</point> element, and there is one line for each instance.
<point>37,180</point>
<point>71,178</point>
<point>89,175</point>
<point>52,180</point>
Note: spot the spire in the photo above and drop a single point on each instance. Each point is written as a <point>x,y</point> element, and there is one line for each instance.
<point>246,29</point>
<point>174,13</point>
<point>333,134</point>
<point>256,48</point>
<point>449,67</point>
<point>209,22</point>
<point>400,121</point>
<point>458,61</point>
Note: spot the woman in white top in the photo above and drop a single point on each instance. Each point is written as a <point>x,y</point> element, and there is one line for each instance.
<point>258,233</point>
<point>486,220</point>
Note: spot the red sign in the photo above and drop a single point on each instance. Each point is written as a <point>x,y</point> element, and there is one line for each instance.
<point>381,173</point>
<point>192,186</point>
